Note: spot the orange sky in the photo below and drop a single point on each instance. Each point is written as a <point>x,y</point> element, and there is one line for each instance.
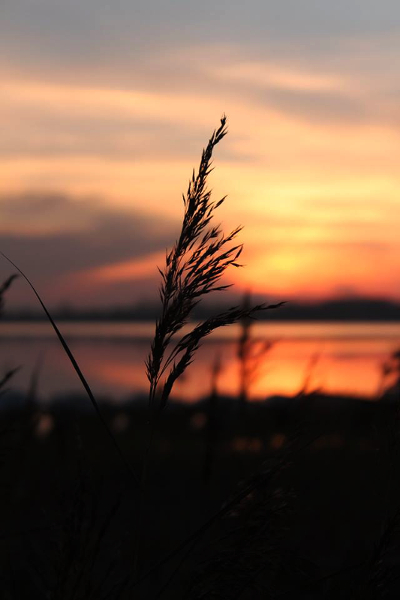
<point>110,135</point>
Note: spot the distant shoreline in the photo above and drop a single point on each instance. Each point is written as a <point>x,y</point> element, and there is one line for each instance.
<point>346,310</point>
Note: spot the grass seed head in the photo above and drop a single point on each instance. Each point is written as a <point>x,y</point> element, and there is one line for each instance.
<point>193,269</point>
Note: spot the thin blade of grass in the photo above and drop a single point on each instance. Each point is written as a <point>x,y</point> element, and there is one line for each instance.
<point>78,372</point>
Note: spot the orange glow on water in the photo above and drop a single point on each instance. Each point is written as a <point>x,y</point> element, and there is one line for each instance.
<point>334,358</point>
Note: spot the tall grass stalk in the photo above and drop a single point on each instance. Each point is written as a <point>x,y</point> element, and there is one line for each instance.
<point>78,371</point>
<point>251,354</point>
<point>3,288</point>
<point>193,269</point>
<point>5,378</point>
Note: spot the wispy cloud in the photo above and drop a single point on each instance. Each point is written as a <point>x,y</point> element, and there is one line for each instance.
<point>66,241</point>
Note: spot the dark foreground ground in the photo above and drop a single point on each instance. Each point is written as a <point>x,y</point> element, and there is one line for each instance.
<point>308,487</point>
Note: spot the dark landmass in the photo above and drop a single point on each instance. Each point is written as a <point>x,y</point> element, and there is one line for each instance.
<point>319,520</point>
<point>357,309</point>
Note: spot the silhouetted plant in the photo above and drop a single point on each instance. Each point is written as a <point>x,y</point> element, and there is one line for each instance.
<point>251,354</point>
<point>306,388</point>
<point>192,270</point>
<point>83,546</point>
<point>74,364</point>
<point>5,378</point>
<point>3,288</point>
<point>390,374</point>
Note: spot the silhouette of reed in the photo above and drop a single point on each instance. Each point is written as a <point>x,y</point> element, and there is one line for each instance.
<point>251,354</point>
<point>390,375</point>
<point>306,387</point>
<point>5,378</point>
<point>193,269</point>
<point>75,365</point>
<point>3,288</point>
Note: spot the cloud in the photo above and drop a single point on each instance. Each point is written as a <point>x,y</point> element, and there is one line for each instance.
<point>151,44</point>
<point>168,104</point>
<point>102,30</point>
<point>64,236</point>
<point>52,121</point>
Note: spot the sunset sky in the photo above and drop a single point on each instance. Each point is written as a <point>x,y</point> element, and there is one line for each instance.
<point>105,107</point>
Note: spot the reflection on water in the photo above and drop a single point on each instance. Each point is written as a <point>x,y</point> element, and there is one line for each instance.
<point>337,358</point>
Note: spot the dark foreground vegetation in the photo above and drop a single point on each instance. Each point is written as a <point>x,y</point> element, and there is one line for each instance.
<point>318,518</point>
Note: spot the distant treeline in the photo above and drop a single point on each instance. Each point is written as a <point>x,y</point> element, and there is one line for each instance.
<point>357,309</point>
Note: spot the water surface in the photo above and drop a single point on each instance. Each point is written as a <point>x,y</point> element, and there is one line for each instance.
<point>335,357</point>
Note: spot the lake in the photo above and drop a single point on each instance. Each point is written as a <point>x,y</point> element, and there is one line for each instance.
<point>339,358</point>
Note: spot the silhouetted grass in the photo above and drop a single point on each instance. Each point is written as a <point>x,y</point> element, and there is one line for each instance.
<point>193,269</point>
<point>75,365</point>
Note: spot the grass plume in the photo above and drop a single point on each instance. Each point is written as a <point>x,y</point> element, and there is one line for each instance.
<point>193,269</point>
